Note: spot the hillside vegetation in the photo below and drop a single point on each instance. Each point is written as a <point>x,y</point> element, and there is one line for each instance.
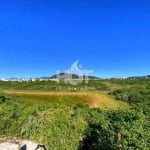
<point>100,115</point>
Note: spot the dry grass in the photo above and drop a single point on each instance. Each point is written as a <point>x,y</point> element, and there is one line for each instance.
<point>93,99</point>
<point>102,100</point>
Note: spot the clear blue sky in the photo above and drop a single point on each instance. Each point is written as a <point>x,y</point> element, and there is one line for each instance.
<point>38,37</point>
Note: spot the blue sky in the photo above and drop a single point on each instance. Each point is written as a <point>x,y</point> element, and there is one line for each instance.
<point>39,37</point>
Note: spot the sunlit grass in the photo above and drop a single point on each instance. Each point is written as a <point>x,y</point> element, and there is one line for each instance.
<point>94,100</point>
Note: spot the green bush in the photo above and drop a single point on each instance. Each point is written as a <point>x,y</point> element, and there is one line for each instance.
<point>2,99</point>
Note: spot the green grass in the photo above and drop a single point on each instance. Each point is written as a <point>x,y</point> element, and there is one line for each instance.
<point>55,99</point>
<point>69,127</point>
<point>62,120</point>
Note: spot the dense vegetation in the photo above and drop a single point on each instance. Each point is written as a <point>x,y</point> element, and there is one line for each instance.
<point>53,86</point>
<point>77,126</point>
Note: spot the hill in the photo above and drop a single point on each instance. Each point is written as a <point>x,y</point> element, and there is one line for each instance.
<point>72,76</point>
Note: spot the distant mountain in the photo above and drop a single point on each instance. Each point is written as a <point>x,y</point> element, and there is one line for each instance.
<point>139,77</point>
<point>74,76</point>
<point>69,76</point>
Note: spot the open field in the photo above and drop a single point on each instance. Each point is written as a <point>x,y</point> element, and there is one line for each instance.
<point>93,99</point>
<point>77,118</point>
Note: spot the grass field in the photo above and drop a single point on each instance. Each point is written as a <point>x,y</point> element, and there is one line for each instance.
<point>93,99</point>
<point>78,120</point>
